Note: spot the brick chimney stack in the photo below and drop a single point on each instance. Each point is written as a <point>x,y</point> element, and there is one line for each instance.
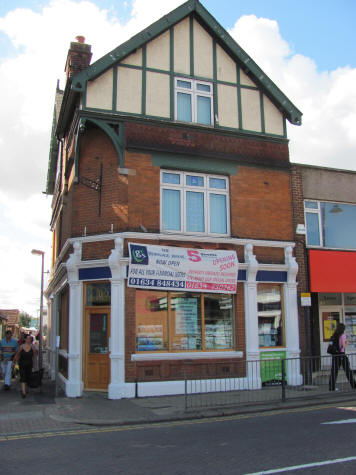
<point>78,58</point>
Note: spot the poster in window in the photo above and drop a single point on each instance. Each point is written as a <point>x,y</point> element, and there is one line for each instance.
<point>149,337</point>
<point>186,316</point>
<point>329,324</point>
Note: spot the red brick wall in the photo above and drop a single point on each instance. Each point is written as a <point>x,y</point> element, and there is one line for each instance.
<point>260,196</point>
<point>300,249</point>
<point>207,143</point>
<point>261,204</point>
<point>143,192</point>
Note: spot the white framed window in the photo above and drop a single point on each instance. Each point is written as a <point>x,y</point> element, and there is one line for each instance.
<point>313,223</point>
<point>193,101</point>
<point>330,224</point>
<point>194,203</point>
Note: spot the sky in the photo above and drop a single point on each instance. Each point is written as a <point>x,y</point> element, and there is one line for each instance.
<point>307,48</point>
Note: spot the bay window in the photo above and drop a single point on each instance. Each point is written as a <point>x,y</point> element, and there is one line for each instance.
<point>193,101</point>
<point>194,203</point>
<point>183,321</point>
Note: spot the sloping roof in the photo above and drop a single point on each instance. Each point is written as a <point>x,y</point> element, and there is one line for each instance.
<point>250,67</point>
<point>3,316</point>
<point>53,150</point>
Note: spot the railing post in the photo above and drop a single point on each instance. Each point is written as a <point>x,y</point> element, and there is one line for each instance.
<point>185,390</point>
<point>283,368</point>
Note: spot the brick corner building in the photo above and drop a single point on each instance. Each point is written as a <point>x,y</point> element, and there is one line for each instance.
<point>172,221</point>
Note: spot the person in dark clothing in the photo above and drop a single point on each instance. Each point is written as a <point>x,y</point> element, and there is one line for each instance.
<point>27,359</point>
<point>340,359</point>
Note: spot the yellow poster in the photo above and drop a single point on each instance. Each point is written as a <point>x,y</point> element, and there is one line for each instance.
<point>329,328</point>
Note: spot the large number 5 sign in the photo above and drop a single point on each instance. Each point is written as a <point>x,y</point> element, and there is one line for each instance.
<point>193,255</point>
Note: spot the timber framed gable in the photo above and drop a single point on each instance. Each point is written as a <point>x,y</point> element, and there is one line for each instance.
<point>137,79</point>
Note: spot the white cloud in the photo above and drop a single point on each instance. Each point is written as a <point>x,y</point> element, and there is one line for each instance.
<point>327,99</point>
<point>27,86</point>
<point>24,226</point>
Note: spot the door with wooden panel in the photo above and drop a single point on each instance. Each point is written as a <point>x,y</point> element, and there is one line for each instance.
<point>96,355</point>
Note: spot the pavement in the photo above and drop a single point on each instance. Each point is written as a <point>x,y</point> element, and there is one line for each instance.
<point>43,411</point>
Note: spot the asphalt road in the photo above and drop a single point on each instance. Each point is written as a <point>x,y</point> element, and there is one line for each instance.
<point>308,440</point>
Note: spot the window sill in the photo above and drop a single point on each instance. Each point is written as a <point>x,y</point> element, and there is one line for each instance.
<point>191,233</point>
<point>189,355</point>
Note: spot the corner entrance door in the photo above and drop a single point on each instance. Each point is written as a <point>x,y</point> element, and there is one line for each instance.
<point>96,337</point>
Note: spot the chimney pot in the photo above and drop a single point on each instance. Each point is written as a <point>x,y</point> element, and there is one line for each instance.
<point>80,39</point>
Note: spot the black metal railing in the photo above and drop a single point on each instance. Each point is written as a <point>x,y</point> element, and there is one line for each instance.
<point>263,381</point>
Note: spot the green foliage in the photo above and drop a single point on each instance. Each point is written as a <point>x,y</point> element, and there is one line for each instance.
<point>24,319</point>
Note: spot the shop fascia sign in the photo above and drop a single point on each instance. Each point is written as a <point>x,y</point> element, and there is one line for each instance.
<point>182,269</point>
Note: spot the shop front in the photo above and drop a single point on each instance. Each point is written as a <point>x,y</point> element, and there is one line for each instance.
<point>333,279</point>
<point>130,325</point>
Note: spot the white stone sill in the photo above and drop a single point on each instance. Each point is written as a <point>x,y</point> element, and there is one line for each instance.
<point>186,355</point>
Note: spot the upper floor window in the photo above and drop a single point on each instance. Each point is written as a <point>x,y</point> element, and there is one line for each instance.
<point>194,203</point>
<point>193,101</point>
<point>330,224</point>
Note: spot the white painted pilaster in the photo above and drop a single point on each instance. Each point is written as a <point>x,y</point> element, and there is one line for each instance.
<point>74,384</point>
<point>118,388</point>
<point>251,320</point>
<point>51,345</point>
<point>291,320</point>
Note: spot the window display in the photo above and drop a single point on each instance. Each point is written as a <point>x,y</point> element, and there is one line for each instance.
<point>183,321</point>
<point>350,324</point>
<point>151,321</point>
<point>270,315</point>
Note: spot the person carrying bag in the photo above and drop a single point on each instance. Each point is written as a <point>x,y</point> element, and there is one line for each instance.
<point>27,359</point>
<point>339,357</point>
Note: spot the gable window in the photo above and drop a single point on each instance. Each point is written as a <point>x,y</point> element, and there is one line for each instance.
<point>330,224</point>
<point>193,101</point>
<point>194,203</point>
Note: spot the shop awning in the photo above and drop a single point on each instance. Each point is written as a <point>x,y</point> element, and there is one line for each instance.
<point>332,271</point>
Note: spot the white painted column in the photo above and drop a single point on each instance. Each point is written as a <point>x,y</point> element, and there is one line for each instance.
<point>294,377</point>
<point>74,384</point>
<point>118,388</point>
<point>251,321</point>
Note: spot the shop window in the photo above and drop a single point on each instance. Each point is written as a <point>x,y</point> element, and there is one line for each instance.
<point>330,225</point>
<point>270,315</point>
<point>193,101</point>
<point>151,320</point>
<point>194,203</point>
<point>170,321</point>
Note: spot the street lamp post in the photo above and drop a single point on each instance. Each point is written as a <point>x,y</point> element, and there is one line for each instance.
<point>40,253</point>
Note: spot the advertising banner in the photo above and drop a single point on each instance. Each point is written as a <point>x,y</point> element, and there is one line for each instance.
<point>177,268</point>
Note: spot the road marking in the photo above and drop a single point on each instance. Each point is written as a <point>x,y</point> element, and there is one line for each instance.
<point>306,465</point>
<point>348,408</point>
<point>343,421</point>
<point>153,425</point>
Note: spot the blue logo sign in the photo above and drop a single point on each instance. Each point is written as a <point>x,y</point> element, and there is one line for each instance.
<point>139,254</point>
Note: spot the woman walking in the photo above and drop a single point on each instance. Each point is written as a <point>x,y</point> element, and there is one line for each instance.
<point>340,359</point>
<point>27,359</point>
